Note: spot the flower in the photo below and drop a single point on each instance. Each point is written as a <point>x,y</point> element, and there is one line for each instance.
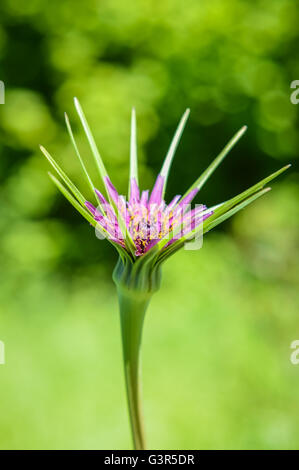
<point>146,231</point>
<point>147,218</point>
<point>145,224</point>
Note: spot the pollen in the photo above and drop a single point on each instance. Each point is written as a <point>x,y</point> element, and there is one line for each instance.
<point>147,224</point>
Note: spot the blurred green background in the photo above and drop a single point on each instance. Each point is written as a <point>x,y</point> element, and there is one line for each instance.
<point>216,349</point>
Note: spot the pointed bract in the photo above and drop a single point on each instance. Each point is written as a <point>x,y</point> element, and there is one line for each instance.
<point>133,153</point>
<point>171,152</point>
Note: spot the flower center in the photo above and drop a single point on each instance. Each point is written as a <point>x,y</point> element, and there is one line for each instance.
<point>147,224</point>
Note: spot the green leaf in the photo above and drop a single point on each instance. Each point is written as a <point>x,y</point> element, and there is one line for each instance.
<point>97,157</point>
<point>72,200</point>
<point>84,212</point>
<point>174,143</point>
<point>64,177</point>
<point>212,167</point>
<point>103,173</point>
<point>133,151</point>
<point>234,210</point>
<point>222,212</point>
<point>68,125</point>
<point>179,244</point>
<point>244,195</point>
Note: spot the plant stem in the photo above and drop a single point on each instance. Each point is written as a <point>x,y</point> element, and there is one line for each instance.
<point>132,310</point>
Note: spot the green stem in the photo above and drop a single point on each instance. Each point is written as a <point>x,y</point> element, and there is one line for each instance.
<point>133,306</point>
<point>136,281</point>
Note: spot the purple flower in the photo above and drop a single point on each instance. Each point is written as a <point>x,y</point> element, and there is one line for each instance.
<point>146,231</point>
<point>147,221</point>
<point>143,223</point>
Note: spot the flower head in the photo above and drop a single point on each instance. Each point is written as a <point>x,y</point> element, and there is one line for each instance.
<point>145,227</point>
<point>145,231</point>
<point>147,219</point>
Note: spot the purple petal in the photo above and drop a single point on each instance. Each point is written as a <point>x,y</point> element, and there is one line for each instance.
<point>106,206</point>
<point>194,212</point>
<point>208,214</point>
<point>111,190</point>
<point>101,197</point>
<point>173,202</point>
<point>189,198</point>
<point>195,221</point>
<point>156,195</point>
<point>144,197</point>
<point>90,207</point>
<point>134,191</point>
<point>111,227</point>
<point>96,214</point>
